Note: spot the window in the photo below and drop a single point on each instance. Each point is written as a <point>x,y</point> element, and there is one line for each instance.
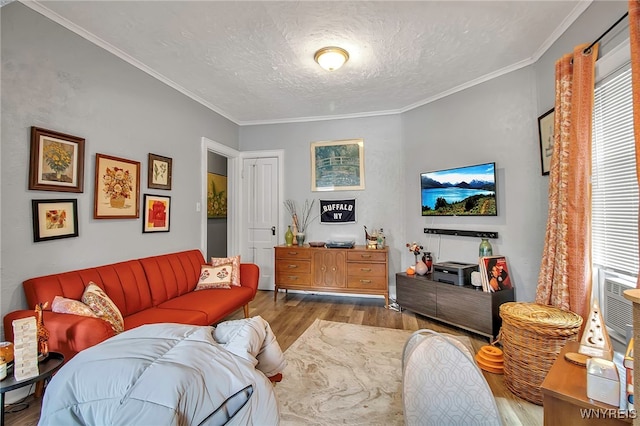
<point>614,193</point>
<point>614,196</point>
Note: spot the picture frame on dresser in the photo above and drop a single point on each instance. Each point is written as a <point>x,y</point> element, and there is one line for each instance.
<point>54,219</point>
<point>337,165</point>
<point>56,161</point>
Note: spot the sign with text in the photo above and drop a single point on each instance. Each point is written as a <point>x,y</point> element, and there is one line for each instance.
<point>338,211</point>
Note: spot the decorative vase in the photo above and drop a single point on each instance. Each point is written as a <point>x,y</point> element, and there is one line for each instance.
<point>426,258</point>
<point>300,238</point>
<point>117,202</point>
<point>421,268</point>
<point>485,248</point>
<point>295,233</point>
<point>288,236</point>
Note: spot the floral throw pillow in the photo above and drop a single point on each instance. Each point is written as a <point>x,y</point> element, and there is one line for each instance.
<point>62,305</point>
<point>235,262</point>
<point>215,276</point>
<point>101,305</point>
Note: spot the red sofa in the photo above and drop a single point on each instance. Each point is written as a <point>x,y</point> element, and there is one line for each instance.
<point>149,290</point>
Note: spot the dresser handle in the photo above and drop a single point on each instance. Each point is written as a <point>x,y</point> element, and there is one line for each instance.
<point>365,281</point>
<point>293,277</point>
<point>365,256</point>
<point>365,269</point>
<point>292,266</point>
<point>293,253</point>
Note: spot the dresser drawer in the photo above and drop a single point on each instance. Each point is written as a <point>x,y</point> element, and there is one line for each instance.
<point>366,270</point>
<point>293,266</point>
<point>292,253</point>
<point>366,256</point>
<point>293,278</point>
<point>367,283</point>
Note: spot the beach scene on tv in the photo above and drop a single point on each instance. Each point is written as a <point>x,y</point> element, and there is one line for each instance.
<point>469,191</point>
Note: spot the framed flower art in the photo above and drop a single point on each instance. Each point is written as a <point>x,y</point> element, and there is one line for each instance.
<point>54,219</point>
<point>117,189</point>
<point>157,212</point>
<point>57,161</point>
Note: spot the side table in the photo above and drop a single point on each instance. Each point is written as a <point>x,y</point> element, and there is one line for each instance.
<point>564,396</point>
<point>46,368</point>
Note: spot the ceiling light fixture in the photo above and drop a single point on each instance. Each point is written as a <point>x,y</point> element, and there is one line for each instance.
<point>331,58</point>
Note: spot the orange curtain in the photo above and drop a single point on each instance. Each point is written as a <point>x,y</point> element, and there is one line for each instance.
<point>634,35</point>
<point>565,272</point>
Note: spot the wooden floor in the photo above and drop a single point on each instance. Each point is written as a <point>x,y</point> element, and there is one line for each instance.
<point>292,313</point>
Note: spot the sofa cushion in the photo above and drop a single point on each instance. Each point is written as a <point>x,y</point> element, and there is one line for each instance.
<point>172,275</point>
<point>235,261</point>
<point>215,303</point>
<point>63,305</point>
<point>214,276</point>
<point>104,308</point>
<point>156,315</point>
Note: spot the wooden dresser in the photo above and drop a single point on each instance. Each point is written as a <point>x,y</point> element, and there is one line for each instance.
<point>357,270</point>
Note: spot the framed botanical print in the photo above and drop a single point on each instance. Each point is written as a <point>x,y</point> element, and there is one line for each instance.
<point>57,161</point>
<point>117,189</point>
<point>54,219</point>
<point>159,172</point>
<point>337,165</point>
<point>157,212</point>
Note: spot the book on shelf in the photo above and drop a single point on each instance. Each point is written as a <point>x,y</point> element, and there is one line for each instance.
<point>495,273</point>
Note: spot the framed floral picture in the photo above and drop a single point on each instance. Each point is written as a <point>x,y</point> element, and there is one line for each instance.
<point>337,165</point>
<point>54,219</point>
<point>159,172</point>
<point>57,161</point>
<point>117,189</point>
<point>216,196</point>
<point>157,209</point>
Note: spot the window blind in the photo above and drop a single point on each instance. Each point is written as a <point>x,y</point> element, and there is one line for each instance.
<point>614,185</point>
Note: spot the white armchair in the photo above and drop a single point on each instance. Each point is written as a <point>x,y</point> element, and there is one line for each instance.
<point>442,385</point>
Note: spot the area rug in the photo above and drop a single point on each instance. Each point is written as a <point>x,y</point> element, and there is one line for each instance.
<point>341,373</point>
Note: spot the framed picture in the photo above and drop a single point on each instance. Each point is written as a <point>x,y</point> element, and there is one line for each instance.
<point>337,165</point>
<point>157,211</point>
<point>159,175</point>
<point>54,219</point>
<point>117,190</point>
<point>545,128</point>
<point>216,196</point>
<point>57,161</point>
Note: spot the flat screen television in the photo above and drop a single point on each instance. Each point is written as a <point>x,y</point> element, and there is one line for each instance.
<point>463,191</point>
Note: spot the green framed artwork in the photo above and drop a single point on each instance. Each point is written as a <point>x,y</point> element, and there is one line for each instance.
<point>216,196</point>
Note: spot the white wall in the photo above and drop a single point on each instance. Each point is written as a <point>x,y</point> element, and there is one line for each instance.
<point>54,79</point>
<point>380,205</point>
<point>490,122</point>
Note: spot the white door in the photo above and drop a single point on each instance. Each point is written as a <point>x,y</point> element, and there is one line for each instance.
<point>260,206</point>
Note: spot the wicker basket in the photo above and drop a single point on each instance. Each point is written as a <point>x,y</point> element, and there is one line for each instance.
<point>532,336</point>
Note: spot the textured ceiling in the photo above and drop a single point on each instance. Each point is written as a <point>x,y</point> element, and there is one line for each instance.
<point>253,62</point>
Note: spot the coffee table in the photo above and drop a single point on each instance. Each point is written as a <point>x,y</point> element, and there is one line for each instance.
<point>46,368</point>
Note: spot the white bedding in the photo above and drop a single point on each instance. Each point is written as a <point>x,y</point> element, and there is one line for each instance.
<point>159,374</point>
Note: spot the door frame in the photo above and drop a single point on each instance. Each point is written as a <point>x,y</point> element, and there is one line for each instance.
<point>233,194</point>
<point>279,154</point>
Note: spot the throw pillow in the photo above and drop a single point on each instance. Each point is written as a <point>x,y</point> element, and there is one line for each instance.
<point>101,305</point>
<point>215,276</point>
<point>235,262</point>
<point>63,305</point>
